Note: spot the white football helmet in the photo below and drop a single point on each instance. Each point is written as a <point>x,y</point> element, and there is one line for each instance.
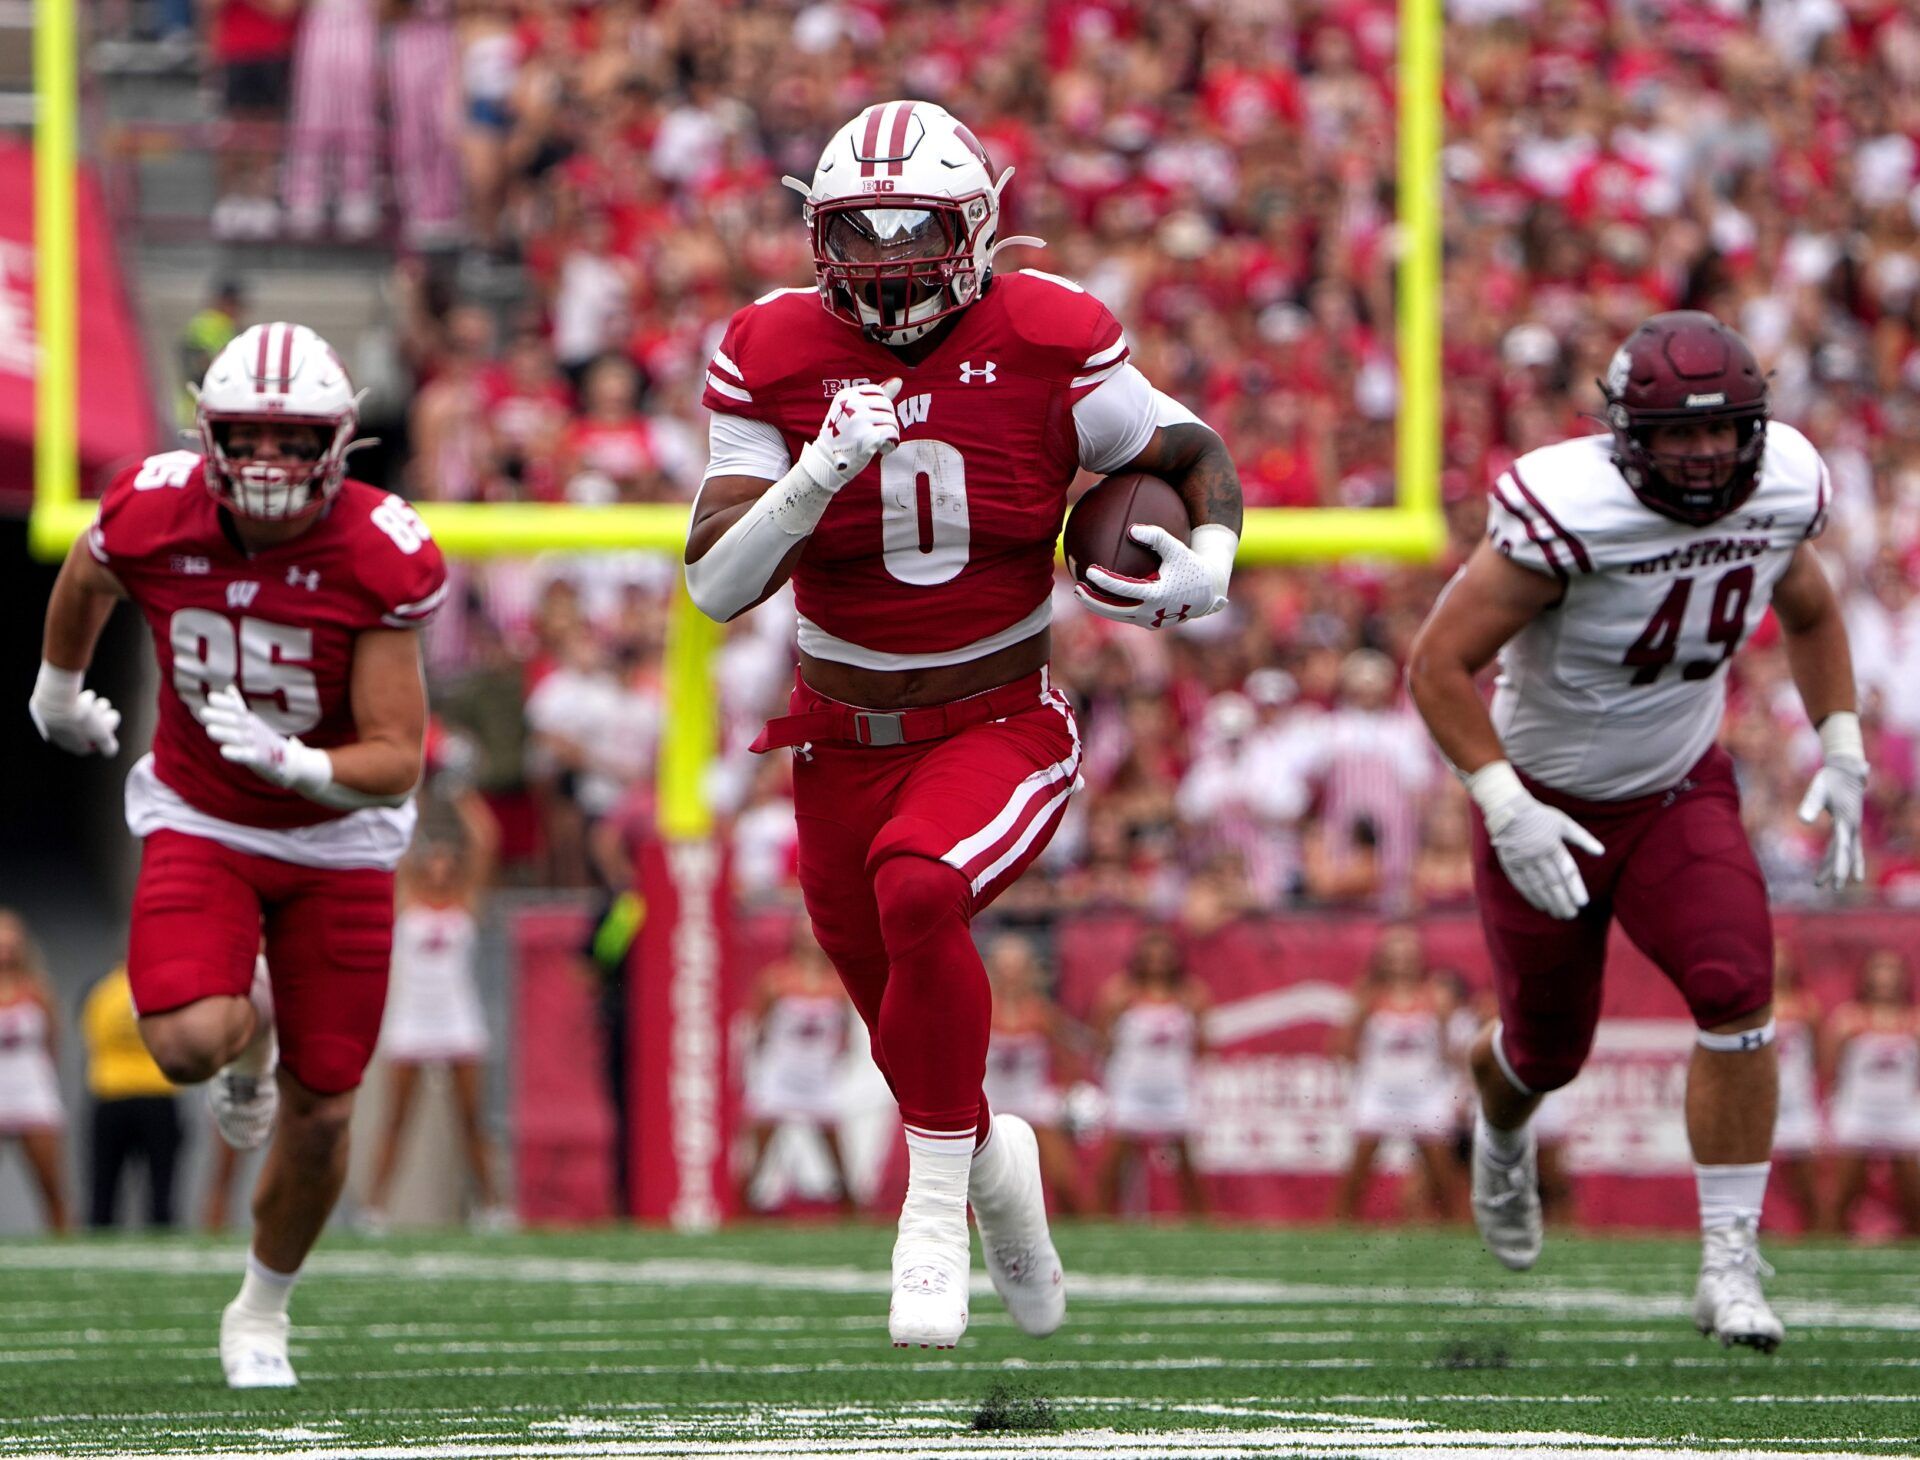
<point>280,374</point>
<point>903,211</point>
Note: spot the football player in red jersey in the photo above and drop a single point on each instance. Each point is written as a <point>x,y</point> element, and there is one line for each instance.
<point>285,603</point>
<point>917,523</point>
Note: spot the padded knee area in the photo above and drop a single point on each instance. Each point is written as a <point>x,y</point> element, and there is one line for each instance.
<point>918,898</point>
<point>1719,991</point>
<point>1541,1065</point>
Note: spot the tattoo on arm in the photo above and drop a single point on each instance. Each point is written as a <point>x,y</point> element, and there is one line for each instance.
<point>1195,461</point>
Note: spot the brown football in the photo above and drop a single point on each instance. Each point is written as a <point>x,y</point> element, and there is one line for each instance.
<point>1097,527</point>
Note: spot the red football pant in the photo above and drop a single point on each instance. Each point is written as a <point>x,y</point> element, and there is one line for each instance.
<point>899,847</point>
<point>1678,874</point>
<point>199,911</point>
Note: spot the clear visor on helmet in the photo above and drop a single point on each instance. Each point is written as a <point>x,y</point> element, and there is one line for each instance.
<point>889,235</point>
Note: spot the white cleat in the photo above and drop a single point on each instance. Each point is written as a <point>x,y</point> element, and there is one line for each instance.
<point>1728,1304</point>
<point>243,1107</point>
<point>1506,1205</point>
<point>1014,1237</point>
<point>253,1349</point>
<point>931,1259</point>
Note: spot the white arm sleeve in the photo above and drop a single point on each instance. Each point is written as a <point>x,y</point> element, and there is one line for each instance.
<point>1117,418</point>
<point>739,447</point>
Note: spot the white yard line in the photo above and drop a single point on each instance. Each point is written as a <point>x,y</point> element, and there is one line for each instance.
<point>1098,1288</point>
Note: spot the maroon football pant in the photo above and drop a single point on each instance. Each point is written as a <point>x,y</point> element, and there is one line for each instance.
<point>899,847</point>
<point>1680,877</point>
<point>199,910</point>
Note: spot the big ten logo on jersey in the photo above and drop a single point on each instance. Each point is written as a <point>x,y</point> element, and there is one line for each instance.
<point>830,388</point>
<point>913,409</point>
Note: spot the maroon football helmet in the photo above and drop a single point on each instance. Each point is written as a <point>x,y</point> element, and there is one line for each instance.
<point>1686,366</point>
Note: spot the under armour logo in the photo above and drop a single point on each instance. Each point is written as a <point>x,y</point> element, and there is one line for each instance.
<point>1752,1039</point>
<point>309,580</point>
<point>241,595</point>
<point>967,372</point>
<point>1758,521</point>
<point>1160,615</point>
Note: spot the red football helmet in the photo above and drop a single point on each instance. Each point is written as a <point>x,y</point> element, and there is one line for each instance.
<point>1685,366</point>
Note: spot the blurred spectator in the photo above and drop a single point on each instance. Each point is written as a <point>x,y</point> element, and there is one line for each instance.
<point>423,117</point>
<point>1028,1061</point>
<point>801,1022</point>
<point>30,1107</point>
<point>208,333</point>
<point>136,1120</point>
<point>1798,1129</point>
<point>334,142</point>
<point>1871,1050</point>
<point>250,43</point>
<point>1149,1024</point>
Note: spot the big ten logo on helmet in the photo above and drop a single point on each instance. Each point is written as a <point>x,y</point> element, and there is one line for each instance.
<point>830,388</point>
<point>876,185</point>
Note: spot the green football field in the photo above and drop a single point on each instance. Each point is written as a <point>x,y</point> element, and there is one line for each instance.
<point>1180,1341</point>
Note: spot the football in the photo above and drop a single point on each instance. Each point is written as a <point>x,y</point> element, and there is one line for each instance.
<point>1097,527</point>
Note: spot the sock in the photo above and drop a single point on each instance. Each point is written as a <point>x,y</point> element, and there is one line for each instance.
<point>938,1164</point>
<point>1730,1194</point>
<point>989,1163</point>
<point>1505,1146</point>
<point>257,1057</point>
<point>265,1291</point>
<point>937,1008</point>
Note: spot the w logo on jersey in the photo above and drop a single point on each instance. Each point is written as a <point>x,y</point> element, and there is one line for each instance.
<point>241,595</point>
<point>968,373</point>
<point>913,410</point>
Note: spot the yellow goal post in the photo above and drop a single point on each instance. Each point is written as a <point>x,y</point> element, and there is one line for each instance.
<point>1413,528</point>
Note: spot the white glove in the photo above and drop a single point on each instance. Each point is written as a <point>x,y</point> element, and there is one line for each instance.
<point>1531,838</point>
<point>1188,585</point>
<point>75,719</point>
<point>1840,789</point>
<point>860,425</point>
<point>247,740</point>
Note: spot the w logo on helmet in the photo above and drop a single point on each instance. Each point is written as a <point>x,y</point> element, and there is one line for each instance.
<point>968,373</point>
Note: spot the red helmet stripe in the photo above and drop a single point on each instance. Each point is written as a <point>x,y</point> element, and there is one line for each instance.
<point>260,361</point>
<point>870,142</point>
<point>897,142</point>
<point>286,358</point>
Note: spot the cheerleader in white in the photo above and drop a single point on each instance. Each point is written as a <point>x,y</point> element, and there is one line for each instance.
<point>1403,1082</point>
<point>1149,1024</point>
<point>30,1107</point>
<point>800,1019</point>
<point>433,1015</point>
<point>1872,1051</point>
<point>1796,1130</point>
<point>1029,1045</point>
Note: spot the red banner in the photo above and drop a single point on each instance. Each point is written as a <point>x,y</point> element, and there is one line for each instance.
<point>684,1103</point>
<point>116,422</point>
<point>1272,1128</point>
<point>563,1119</point>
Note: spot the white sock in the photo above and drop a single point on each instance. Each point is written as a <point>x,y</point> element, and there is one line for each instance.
<point>938,1165</point>
<point>265,1291</point>
<point>1730,1194</point>
<point>1505,1146</point>
<point>989,1165</point>
<point>257,1057</point>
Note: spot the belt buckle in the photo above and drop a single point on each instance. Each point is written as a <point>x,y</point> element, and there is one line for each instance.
<point>879,727</point>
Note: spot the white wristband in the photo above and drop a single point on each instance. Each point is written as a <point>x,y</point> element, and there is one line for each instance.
<point>1494,787</point>
<point>1840,737</point>
<point>1215,545</point>
<point>55,688</point>
<point>308,771</point>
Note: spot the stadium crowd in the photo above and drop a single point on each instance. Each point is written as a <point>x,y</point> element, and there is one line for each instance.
<point>1222,175</point>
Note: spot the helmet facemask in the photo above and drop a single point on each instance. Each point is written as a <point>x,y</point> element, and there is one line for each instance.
<point>1694,488</point>
<point>897,269</point>
<point>303,471</point>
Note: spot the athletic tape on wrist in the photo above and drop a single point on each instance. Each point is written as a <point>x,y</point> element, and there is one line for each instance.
<point>1745,1042</point>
